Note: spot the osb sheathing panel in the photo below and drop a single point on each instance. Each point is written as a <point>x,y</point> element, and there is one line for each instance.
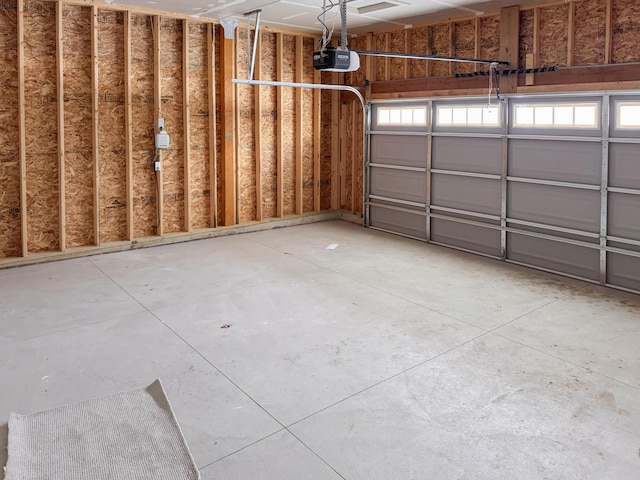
<point>380,63</point>
<point>289,127</point>
<point>625,19</point>
<point>268,126</point>
<point>111,126</point>
<point>145,207</point>
<point>526,36</point>
<point>589,32</point>
<point>10,238</point>
<point>397,45</point>
<point>440,45</point>
<point>246,159</point>
<point>79,208</point>
<point>171,109</point>
<point>359,43</point>
<point>326,150</point>
<point>490,37</point>
<point>41,127</point>
<point>464,45</point>
<point>307,127</point>
<point>553,36</point>
<point>200,191</point>
<point>418,43</point>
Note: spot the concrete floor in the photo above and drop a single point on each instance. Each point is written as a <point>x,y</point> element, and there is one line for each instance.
<point>384,358</point>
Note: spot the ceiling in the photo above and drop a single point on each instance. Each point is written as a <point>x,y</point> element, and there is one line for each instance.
<point>302,15</point>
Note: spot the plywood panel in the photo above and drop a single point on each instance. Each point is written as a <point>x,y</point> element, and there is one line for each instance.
<point>10,238</point>
<point>440,45</point>
<point>307,127</point>
<point>590,32</point>
<point>41,127</point>
<point>171,109</point>
<point>380,63</point>
<point>553,36</point>
<point>526,36</point>
<point>289,121</point>
<point>77,115</point>
<point>397,45</point>
<point>418,43</point>
<point>145,207</point>
<point>490,37</point>
<point>268,126</point>
<point>199,125</point>
<point>625,17</point>
<point>464,35</point>
<point>359,43</point>
<point>245,130</point>
<point>111,126</point>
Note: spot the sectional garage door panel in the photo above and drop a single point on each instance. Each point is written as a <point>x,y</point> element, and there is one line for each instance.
<point>468,237</point>
<point>413,225</point>
<point>399,184</point>
<point>624,216</point>
<point>574,260</point>
<point>555,206</point>
<point>478,155</point>
<point>624,165</point>
<point>556,160</point>
<point>480,195</point>
<point>623,271</point>
<point>400,150</point>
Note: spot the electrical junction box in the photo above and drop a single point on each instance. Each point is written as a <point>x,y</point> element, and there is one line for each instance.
<point>162,140</point>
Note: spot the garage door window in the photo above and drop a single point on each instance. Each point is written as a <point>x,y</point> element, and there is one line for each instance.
<point>557,115</point>
<point>467,116</point>
<point>399,116</point>
<point>628,116</point>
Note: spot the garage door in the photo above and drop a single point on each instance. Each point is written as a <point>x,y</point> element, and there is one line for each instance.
<point>547,182</point>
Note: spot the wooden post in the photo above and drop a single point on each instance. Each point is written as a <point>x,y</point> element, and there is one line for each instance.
<point>509,45</point>
<point>571,34</point>
<point>608,39</point>
<point>477,39</point>
<point>186,113</point>
<point>228,124</point>
<point>335,145</point>
<point>317,128</point>
<point>24,226</point>
<point>60,104</point>
<point>452,45</point>
<point>95,133</point>
<point>299,130</point>
<point>128,122</point>
<point>257,74</point>
<point>429,52</point>
<point>157,91</point>
<point>279,146</point>
<point>354,147</point>
<point>213,139</point>
<point>344,121</point>
<point>369,59</point>
<point>387,60</point>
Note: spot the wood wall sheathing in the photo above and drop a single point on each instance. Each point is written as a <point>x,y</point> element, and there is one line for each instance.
<point>418,43</point>
<point>78,176</point>
<point>245,133</point>
<point>489,47</point>
<point>10,215</point>
<point>553,36</point>
<point>200,191</point>
<point>326,149</point>
<point>347,157</point>
<point>526,36</point>
<point>171,109</point>
<point>41,127</point>
<point>440,45</point>
<point>464,45</point>
<point>625,20</point>
<point>589,32</point>
<point>145,207</point>
<point>397,44</point>
<point>307,127</point>
<point>380,64</point>
<point>288,132</point>
<point>357,165</point>
<point>268,71</point>
<point>358,43</point>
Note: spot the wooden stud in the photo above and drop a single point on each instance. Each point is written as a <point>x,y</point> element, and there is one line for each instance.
<point>387,60</point>
<point>476,42</point>
<point>157,91</point>
<point>509,45</point>
<point>24,226</point>
<point>128,125</point>
<point>299,130</point>
<point>186,117</point>
<point>529,77</point>
<point>429,51</point>
<point>257,74</point>
<point>407,46</point>
<point>608,41</point>
<point>60,104</point>
<point>369,59</point>
<point>536,37</point>
<point>354,146</point>
<point>335,145</point>
<point>213,149</point>
<point>279,133</point>
<point>317,128</point>
<point>452,45</point>
<point>570,34</point>
<point>95,132</point>
<point>228,130</point>
<point>344,120</point>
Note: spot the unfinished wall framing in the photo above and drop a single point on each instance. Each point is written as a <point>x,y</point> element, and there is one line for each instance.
<point>82,97</point>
